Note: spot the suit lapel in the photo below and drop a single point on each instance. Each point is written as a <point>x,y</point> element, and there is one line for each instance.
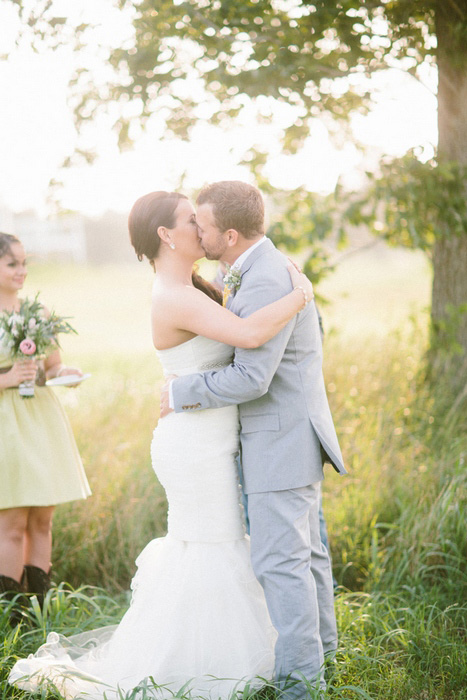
<point>264,248</point>
<point>229,301</point>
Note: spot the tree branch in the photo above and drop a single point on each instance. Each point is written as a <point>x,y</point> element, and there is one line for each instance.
<point>204,20</point>
<point>457,9</point>
<point>356,251</point>
<point>412,75</point>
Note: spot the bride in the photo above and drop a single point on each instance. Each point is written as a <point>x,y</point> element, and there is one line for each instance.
<point>198,619</point>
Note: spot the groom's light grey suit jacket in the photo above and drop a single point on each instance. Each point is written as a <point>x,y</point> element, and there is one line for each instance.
<point>287,430</point>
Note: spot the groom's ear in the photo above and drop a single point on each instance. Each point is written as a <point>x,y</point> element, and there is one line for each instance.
<point>232,237</point>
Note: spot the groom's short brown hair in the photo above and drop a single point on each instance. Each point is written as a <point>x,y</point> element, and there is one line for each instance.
<point>235,205</point>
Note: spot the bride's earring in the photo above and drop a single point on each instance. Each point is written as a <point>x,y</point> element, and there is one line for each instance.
<point>172,246</point>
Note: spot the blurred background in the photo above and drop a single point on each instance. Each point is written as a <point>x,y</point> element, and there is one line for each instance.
<point>332,112</point>
<point>350,118</point>
<point>82,223</point>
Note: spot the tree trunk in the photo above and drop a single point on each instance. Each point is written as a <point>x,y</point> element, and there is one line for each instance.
<point>450,252</point>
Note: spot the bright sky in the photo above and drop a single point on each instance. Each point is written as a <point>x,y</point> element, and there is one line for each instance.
<point>37,133</point>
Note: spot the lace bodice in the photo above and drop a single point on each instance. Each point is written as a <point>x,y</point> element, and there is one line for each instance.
<point>196,355</point>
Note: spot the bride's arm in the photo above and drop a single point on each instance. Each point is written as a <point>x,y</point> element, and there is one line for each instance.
<point>195,312</point>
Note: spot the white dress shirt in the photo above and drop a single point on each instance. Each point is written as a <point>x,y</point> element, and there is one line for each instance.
<point>241,258</point>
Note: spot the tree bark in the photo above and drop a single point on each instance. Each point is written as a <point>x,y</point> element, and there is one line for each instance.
<point>450,251</point>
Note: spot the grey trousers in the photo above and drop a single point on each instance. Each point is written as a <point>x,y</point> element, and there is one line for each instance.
<point>294,569</point>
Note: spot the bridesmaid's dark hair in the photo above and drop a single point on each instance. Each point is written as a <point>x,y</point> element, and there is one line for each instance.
<point>6,241</point>
<point>148,213</point>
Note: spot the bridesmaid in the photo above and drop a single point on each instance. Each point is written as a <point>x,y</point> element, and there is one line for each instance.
<point>40,463</point>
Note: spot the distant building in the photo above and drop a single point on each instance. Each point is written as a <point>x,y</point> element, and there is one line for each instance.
<point>6,220</point>
<point>71,237</point>
<point>107,239</point>
<point>62,238</point>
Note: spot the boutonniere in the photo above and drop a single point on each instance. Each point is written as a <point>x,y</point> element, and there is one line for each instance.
<point>232,281</point>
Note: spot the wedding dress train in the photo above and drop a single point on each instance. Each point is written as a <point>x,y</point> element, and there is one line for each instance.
<point>198,618</point>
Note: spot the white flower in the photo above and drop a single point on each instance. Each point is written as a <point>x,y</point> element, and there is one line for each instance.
<point>233,278</point>
<point>32,323</point>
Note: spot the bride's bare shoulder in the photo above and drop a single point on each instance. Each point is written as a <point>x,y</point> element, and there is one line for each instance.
<point>169,299</point>
<point>173,293</point>
<point>171,306</point>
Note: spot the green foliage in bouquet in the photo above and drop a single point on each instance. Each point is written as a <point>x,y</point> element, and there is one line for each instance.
<point>31,332</point>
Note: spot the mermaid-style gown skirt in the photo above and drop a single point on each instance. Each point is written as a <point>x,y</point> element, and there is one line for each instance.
<point>198,618</point>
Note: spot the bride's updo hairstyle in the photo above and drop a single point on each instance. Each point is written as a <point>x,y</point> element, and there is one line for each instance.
<point>6,241</point>
<point>148,213</point>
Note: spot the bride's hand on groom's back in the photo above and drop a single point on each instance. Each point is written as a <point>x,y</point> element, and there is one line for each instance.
<point>299,279</point>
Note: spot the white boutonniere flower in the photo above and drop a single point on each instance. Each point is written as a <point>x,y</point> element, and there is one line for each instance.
<point>232,281</point>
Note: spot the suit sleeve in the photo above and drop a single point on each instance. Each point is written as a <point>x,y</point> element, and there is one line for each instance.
<point>252,370</point>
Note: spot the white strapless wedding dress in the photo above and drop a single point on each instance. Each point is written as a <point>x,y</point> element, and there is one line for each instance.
<point>198,616</point>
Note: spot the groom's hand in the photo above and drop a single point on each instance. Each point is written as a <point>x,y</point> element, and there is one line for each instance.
<point>165,396</point>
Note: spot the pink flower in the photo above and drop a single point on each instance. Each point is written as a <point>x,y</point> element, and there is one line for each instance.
<point>27,346</point>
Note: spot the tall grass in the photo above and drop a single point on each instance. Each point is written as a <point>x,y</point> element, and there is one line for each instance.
<point>97,541</point>
<point>401,515</point>
<point>397,519</point>
<point>397,522</point>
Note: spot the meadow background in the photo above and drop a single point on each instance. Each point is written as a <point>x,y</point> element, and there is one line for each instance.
<point>397,522</point>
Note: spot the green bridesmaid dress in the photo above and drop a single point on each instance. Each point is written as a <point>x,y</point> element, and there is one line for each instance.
<point>39,462</point>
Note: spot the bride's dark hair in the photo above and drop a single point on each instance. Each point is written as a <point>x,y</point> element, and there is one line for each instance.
<point>6,241</point>
<point>148,213</point>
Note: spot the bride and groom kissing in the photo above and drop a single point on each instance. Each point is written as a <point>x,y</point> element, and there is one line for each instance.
<point>212,611</point>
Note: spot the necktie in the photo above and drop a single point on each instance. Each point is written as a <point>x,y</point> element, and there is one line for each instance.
<point>225,294</point>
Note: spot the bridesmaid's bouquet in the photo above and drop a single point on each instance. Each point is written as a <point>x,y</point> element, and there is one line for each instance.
<point>31,334</point>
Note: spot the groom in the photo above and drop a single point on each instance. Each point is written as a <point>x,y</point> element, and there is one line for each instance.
<point>287,433</point>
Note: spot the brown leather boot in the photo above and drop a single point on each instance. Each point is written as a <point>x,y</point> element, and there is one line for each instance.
<point>11,590</point>
<point>37,581</point>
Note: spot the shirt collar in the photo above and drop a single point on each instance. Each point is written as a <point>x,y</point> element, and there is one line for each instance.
<point>242,258</point>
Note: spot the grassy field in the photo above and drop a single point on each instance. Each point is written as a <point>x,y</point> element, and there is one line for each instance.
<point>397,523</point>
